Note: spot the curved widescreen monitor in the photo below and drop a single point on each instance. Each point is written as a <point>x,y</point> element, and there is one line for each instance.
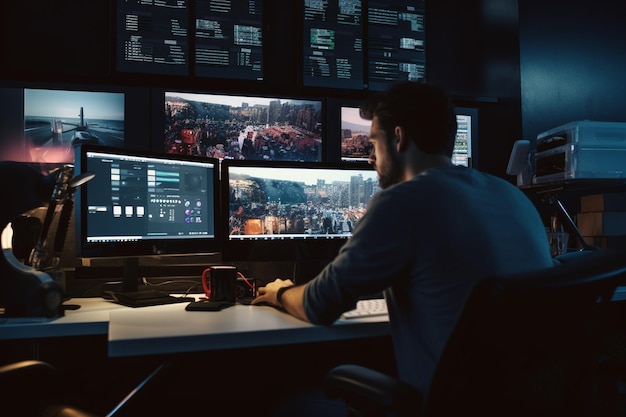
<point>277,211</point>
<point>141,204</point>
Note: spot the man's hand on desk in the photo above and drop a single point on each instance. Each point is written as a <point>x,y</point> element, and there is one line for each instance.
<point>283,293</point>
<point>269,293</point>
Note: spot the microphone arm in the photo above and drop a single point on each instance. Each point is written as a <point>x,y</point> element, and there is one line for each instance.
<point>61,203</point>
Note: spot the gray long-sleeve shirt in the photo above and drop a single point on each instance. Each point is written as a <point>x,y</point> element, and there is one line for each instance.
<point>426,242</point>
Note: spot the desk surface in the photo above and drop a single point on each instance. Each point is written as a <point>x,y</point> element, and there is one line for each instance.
<point>169,328</point>
<point>92,318</point>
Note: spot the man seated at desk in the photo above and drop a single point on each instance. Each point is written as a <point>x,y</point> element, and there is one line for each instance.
<point>426,239</point>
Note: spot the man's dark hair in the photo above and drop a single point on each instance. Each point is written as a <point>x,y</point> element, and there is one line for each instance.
<point>423,110</point>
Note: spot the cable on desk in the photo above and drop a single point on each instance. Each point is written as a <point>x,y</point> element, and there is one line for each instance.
<point>245,280</point>
<point>85,292</point>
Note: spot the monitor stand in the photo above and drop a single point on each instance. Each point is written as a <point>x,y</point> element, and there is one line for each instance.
<point>132,296</point>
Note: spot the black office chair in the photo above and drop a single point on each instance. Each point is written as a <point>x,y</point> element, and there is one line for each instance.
<point>30,388</point>
<point>525,345</point>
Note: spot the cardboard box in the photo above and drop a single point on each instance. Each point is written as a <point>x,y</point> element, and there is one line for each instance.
<point>603,202</point>
<point>607,241</point>
<point>602,223</point>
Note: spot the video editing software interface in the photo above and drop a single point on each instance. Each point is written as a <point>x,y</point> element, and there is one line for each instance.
<point>137,198</point>
<point>272,206</point>
<point>213,38</point>
<point>243,127</point>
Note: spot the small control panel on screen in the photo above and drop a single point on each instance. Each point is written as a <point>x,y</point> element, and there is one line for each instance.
<point>136,198</point>
<point>152,36</point>
<point>395,42</point>
<point>243,127</point>
<point>229,39</point>
<point>333,43</point>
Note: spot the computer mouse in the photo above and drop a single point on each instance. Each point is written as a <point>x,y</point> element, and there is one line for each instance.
<point>245,300</point>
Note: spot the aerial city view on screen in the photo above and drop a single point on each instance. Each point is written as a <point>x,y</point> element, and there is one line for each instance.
<point>253,128</point>
<point>263,204</point>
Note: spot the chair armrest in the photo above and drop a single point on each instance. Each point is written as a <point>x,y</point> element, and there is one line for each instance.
<point>26,387</point>
<point>366,389</point>
<point>27,371</point>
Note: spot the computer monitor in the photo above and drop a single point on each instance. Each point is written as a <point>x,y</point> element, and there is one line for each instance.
<point>464,152</point>
<point>142,204</point>
<point>201,38</point>
<point>355,131</point>
<point>362,44</point>
<point>152,37</point>
<point>396,46</point>
<point>292,211</point>
<point>229,39</point>
<point>354,135</point>
<point>332,44</point>
<point>43,122</point>
<point>243,127</point>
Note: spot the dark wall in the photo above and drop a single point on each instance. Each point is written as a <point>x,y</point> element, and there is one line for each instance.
<point>56,40</point>
<point>572,61</point>
<point>472,50</point>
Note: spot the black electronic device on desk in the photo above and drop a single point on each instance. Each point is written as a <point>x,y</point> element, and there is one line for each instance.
<point>29,289</point>
<point>143,205</point>
<point>144,298</point>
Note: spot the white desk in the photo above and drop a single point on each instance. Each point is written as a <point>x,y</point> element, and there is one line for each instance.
<point>92,318</point>
<point>171,329</point>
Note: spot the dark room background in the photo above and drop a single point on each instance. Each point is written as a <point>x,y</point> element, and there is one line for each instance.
<point>529,66</point>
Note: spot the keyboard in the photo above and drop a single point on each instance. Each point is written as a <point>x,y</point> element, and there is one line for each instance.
<point>367,308</point>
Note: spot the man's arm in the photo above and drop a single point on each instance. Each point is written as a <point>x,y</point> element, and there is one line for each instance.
<point>291,298</point>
